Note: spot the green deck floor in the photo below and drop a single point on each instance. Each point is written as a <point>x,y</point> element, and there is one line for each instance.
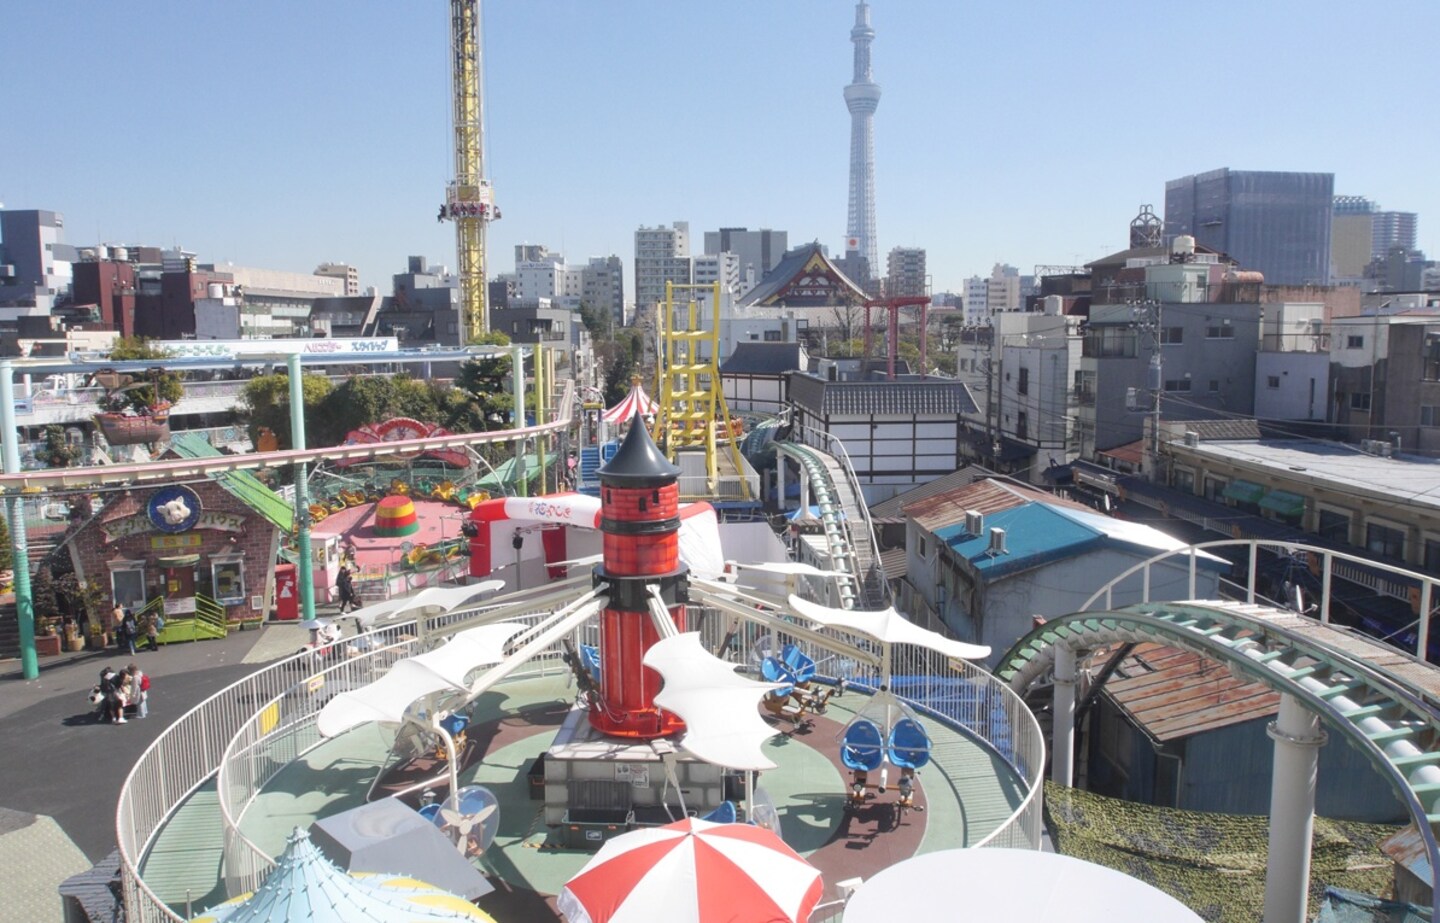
<point>970,792</point>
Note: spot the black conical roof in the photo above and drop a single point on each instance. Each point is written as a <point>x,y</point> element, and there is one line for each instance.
<point>639,460</point>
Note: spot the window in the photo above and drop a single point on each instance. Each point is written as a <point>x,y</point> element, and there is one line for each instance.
<point>1272,382</point>
<point>1220,331</point>
<point>228,578</point>
<point>1432,555</point>
<point>1023,385</point>
<point>1183,479</point>
<point>1172,336</point>
<point>922,546</point>
<point>1109,342</point>
<point>1432,357</point>
<point>1430,414</point>
<point>1334,526</point>
<point>772,336</point>
<point>127,585</point>
<point>1177,384</point>
<point>1385,541</point>
<point>1360,400</point>
<point>1022,425</point>
<point>1355,342</point>
<point>1214,386</point>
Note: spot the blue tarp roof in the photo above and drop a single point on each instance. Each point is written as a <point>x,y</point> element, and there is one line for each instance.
<point>1037,533</point>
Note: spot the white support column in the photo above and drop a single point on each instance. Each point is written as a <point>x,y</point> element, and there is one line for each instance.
<point>780,482</point>
<point>804,492</point>
<point>1298,738</point>
<point>1062,750</point>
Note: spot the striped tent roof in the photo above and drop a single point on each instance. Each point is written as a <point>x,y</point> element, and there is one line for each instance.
<point>307,886</point>
<point>637,401</point>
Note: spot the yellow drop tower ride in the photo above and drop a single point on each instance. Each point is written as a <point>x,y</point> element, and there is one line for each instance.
<point>468,199</point>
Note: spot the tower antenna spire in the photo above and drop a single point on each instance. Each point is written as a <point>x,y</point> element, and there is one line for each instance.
<point>862,98</point>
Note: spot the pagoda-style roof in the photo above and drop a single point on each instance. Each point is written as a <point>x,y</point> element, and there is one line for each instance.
<point>805,278</point>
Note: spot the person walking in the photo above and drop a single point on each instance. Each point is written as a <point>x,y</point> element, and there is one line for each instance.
<point>129,630</point>
<point>345,583</point>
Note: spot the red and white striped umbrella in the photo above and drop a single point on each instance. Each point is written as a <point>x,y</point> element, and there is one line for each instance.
<point>637,401</point>
<point>693,871</point>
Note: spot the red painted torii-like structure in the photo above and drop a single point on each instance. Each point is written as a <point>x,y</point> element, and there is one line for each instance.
<point>893,305</point>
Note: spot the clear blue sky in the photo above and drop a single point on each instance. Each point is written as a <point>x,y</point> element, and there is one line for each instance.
<point>284,133</point>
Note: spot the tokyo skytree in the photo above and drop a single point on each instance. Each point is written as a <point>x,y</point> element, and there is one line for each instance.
<point>862,98</point>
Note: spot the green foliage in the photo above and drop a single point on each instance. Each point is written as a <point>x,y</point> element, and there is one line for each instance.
<point>7,556</point>
<point>57,451</point>
<point>265,401</point>
<point>43,597</point>
<point>481,401</point>
<point>149,389</point>
<point>88,596</point>
<point>370,399</point>
<point>128,349</point>
<point>491,338</point>
<point>1212,863</point>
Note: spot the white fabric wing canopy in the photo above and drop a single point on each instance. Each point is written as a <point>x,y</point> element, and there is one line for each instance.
<point>637,401</point>
<point>441,670</point>
<point>718,705</point>
<point>444,598</point>
<point>888,627</point>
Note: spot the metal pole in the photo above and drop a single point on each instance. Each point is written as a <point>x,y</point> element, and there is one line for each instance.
<point>302,498</point>
<point>517,377</point>
<point>542,443</point>
<point>15,510</point>
<point>1062,756</point>
<point>1298,738</point>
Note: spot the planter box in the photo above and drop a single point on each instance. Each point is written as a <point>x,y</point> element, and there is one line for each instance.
<point>47,645</point>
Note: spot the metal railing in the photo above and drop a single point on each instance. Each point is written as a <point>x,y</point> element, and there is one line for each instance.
<point>247,732</point>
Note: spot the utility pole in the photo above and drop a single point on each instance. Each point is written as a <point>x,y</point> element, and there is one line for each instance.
<point>1147,325</point>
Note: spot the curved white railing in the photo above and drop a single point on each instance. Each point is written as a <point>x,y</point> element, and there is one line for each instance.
<point>251,729</point>
<point>1427,585</point>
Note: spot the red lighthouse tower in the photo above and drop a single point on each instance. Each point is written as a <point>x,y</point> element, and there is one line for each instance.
<point>640,523</point>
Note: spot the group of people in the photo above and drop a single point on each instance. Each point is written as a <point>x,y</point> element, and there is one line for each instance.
<point>117,691</point>
<point>128,629</point>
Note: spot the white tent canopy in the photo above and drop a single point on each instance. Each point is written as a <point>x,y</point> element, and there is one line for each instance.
<point>718,705</point>
<point>888,627</point>
<point>441,670</point>
<point>637,401</point>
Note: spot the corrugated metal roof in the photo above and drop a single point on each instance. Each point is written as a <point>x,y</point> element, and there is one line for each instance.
<point>991,495</point>
<point>896,505</point>
<point>895,563</point>
<point>1408,850</point>
<point>1131,452</point>
<point>925,397</point>
<point>1171,694</point>
<point>1035,534</point>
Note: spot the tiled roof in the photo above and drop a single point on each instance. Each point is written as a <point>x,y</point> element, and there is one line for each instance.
<point>764,359</point>
<point>790,267</point>
<point>1222,429</point>
<point>927,397</point>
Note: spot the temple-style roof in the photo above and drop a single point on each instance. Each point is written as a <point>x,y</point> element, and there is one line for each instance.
<point>764,359</point>
<point>805,278</point>
<point>922,397</point>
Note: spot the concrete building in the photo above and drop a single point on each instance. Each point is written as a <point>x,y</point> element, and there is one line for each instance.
<point>661,255</point>
<point>35,262</point>
<point>709,268</point>
<point>977,302</point>
<point>757,251</point>
<point>602,287</point>
<point>110,286</point>
<point>1201,321</point>
<point>1386,372</point>
<point>1352,231</point>
<point>530,253</point>
<point>1002,289</point>
<point>1292,368</point>
<point>1273,222</point>
<point>1393,229</point>
<point>344,271</point>
<point>276,303</point>
<point>425,306</point>
<point>987,558</point>
<point>539,281</point>
<point>1036,402</point>
<point>905,273</point>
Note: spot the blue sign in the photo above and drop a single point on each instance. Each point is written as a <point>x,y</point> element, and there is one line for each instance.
<point>174,509</point>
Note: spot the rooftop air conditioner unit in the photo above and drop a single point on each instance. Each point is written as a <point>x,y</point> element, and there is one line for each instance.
<point>997,542</point>
<point>974,523</point>
<point>1192,438</point>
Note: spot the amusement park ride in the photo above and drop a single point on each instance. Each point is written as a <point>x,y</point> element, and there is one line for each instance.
<point>649,694</point>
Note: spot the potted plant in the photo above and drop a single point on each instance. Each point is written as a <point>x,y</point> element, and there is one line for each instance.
<point>47,640</point>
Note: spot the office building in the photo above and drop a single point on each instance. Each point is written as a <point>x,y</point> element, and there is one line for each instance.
<point>661,255</point>
<point>1273,222</point>
<point>602,287</point>
<point>757,251</point>
<point>905,273</point>
<point>35,262</point>
<point>343,271</point>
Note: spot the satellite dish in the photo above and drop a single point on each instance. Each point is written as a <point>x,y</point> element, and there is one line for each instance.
<point>471,818</point>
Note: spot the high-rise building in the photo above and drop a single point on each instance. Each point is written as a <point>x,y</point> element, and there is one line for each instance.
<point>539,280</point>
<point>530,253</point>
<point>1277,223</point>
<point>1352,232</point>
<point>977,309</point>
<point>1391,230</point>
<point>602,287</point>
<point>345,271</point>
<point>758,252</point>
<point>862,98</point>
<point>661,255</point>
<point>1002,289</point>
<point>905,272</point>
<point>34,261</point>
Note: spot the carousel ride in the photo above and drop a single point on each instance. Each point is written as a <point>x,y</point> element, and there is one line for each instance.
<point>690,721</point>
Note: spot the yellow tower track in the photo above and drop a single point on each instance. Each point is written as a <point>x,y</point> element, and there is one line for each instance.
<point>468,201</point>
<point>692,399</point>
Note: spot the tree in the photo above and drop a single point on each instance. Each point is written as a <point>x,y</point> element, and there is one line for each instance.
<point>150,389</point>
<point>265,402</point>
<point>371,399</point>
<point>7,556</point>
<point>482,402</point>
<point>57,451</point>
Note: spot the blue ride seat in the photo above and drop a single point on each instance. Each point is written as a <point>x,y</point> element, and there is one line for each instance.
<point>801,666</point>
<point>590,660</point>
<point>725,814</point>
<point>775,671</point>
<point>862,747</point>
<point>454,725</point>
<point>909,744</point>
